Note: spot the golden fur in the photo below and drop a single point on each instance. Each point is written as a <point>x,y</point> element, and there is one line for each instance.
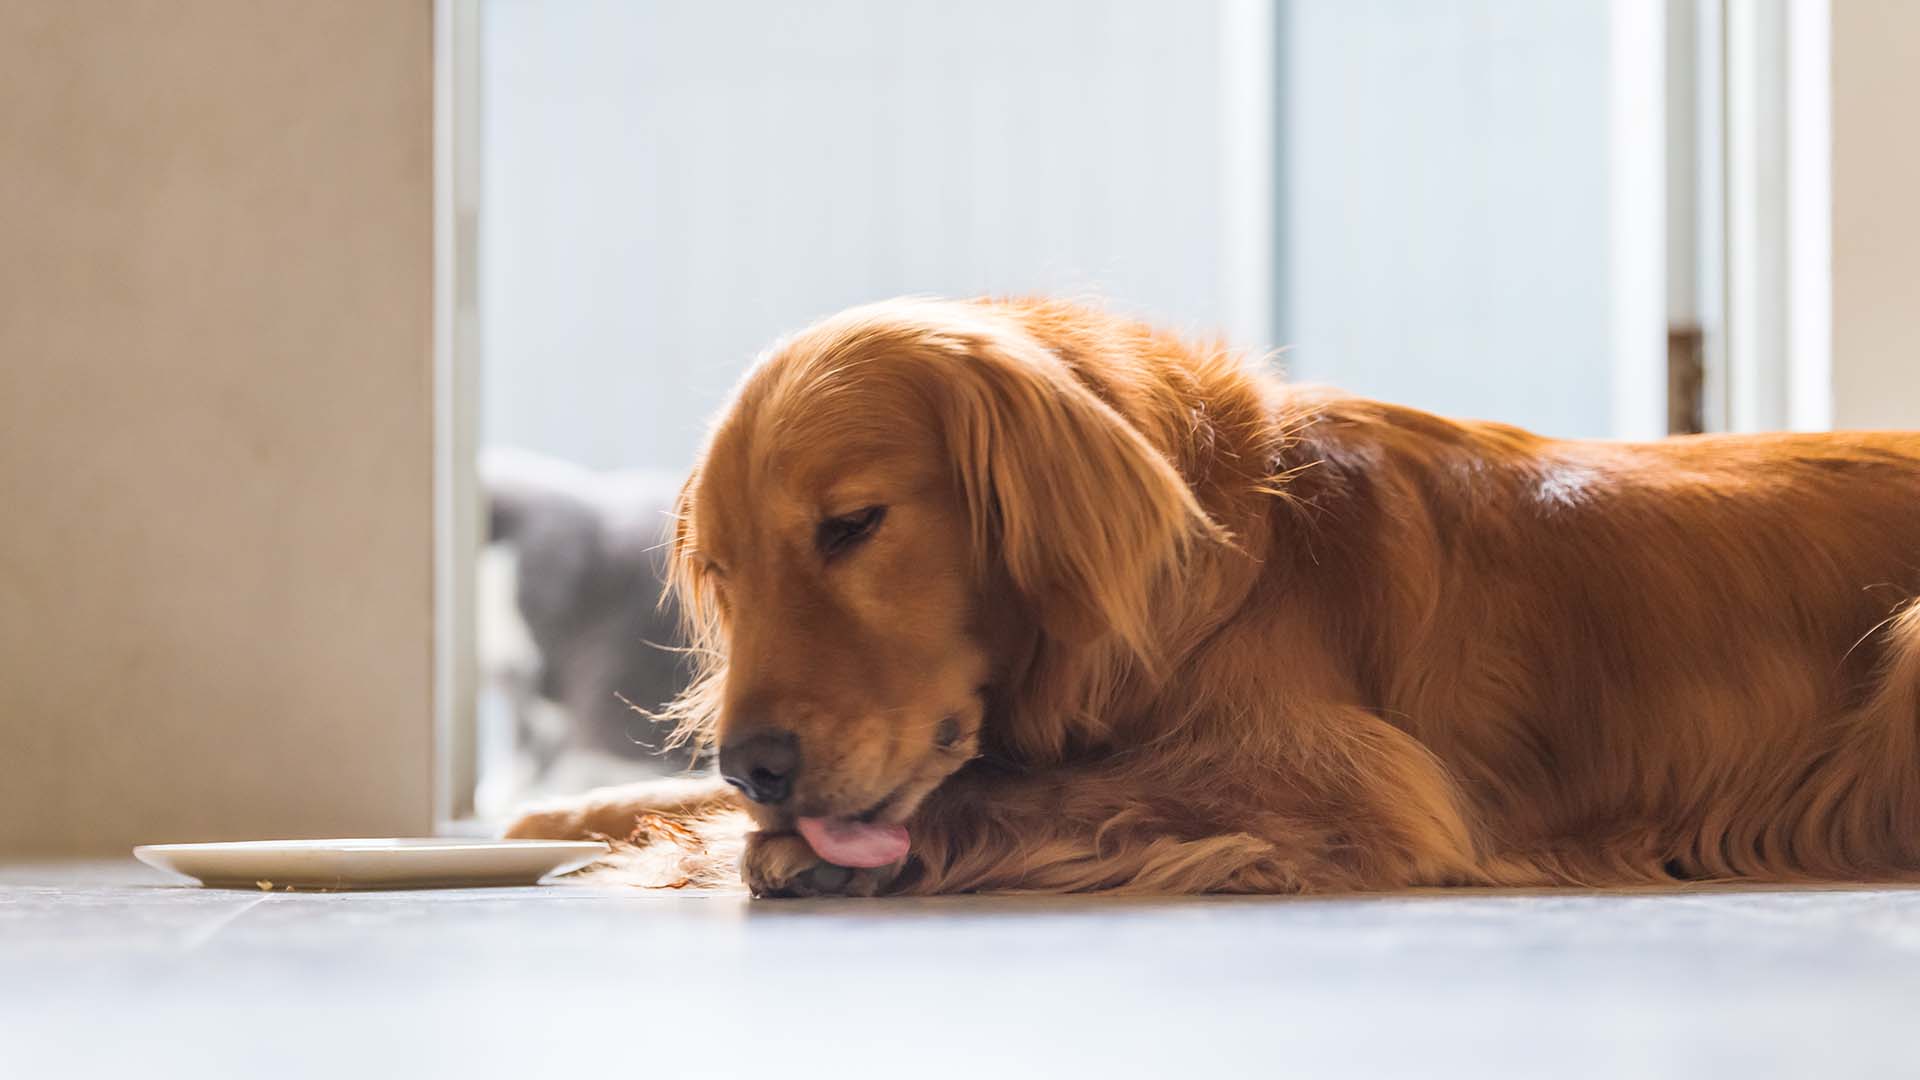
<point>1203,631</point>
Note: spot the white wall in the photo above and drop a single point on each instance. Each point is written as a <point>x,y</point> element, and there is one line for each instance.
<point>668,187</point>
<point>1446,215</point>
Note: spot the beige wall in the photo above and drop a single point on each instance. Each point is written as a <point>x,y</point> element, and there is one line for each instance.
<point>1876,214</point>
<point>215,420</point>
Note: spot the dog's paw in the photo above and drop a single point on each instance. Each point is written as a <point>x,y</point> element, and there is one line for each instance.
<point>781,865</point>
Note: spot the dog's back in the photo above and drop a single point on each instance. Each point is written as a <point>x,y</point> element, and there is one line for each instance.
<point>1690,654</point>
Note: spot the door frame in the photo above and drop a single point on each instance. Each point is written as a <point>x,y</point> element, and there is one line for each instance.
<point>456,400</point>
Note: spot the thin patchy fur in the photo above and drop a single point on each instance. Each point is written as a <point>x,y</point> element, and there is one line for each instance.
<point>1234,635</point>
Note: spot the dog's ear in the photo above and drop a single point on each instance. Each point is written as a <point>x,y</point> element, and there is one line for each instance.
<point>688,584</point>
<point>695,713</point>
<point>1084,513</point>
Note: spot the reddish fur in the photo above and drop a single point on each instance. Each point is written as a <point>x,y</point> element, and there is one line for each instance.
<point>1250,637</point>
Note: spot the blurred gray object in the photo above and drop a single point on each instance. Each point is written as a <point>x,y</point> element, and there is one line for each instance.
<point>589,559</point>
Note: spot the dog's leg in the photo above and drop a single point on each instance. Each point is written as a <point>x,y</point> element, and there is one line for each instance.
<point>612,811</point>
<point>1039,834</point>
<point>1084,831</point>
<point>1360,807</point>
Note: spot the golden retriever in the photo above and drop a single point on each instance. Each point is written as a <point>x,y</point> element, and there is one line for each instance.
<point>1021,595</point>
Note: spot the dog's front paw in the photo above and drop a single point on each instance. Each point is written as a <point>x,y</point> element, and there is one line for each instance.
<point>782,865</point>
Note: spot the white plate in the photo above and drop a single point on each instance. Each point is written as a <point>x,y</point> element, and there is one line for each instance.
<point>371,864</point>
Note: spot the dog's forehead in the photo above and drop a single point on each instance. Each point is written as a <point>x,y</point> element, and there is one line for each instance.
<point>764,475</point>
<point>808,419</point>
<point>826,473</point>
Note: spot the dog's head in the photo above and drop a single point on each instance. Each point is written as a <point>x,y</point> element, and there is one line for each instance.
<point>900,507</point>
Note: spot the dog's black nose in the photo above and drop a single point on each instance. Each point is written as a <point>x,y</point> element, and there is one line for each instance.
<point>761,765</point>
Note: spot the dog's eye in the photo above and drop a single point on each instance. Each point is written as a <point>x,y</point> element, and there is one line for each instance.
<point>839,534</point>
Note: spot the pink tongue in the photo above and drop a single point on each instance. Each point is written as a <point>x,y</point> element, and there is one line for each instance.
<point>845,842</point>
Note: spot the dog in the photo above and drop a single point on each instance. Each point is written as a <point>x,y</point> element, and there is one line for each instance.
<point>1023,595</point>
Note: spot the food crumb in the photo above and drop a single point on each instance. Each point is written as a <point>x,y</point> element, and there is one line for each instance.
<point>264,886</point>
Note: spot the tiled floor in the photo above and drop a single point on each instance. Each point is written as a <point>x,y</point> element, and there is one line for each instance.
<point>108,970</point>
